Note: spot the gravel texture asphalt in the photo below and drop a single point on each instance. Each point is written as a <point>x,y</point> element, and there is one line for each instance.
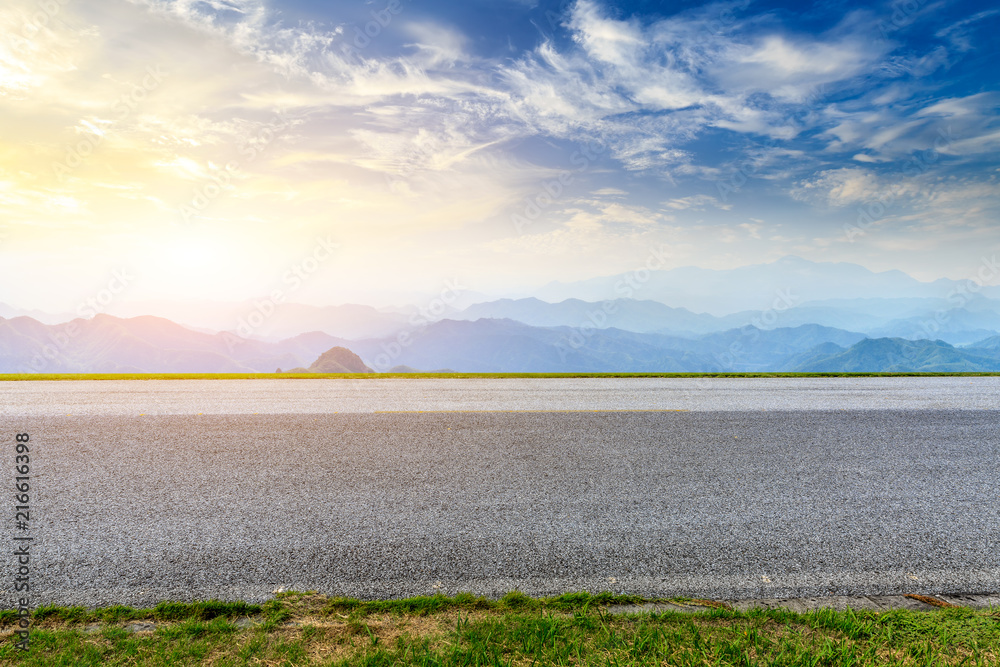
<point>824,487</point>
<point>235,397</point>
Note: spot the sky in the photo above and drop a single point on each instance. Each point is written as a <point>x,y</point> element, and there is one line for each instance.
<point>375,151</point>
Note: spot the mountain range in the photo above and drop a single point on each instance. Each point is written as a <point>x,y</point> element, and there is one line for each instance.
<point>788,315</point>
<point>756,286</point>
<point>685,301</point>
<point>107,344</point>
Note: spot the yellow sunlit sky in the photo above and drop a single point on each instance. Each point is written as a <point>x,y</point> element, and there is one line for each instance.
<point>212,149</point>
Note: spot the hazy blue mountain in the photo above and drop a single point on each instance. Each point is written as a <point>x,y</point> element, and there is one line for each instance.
<point>901,308</point>
<point>957,326</point>
<point>152,344</point>
<point>897,355</point>
<point>507,346</point>
<point>878,318</point>
<point>688,301</point>
<point>768,350</point>
<point>811,356</point>
<point>754,287</point>
<point>10,312</point>
<point>493,345</point>
<point>987,345</point>
<point>628,314</point>
<point>644,316</point>
<point>862,315</point>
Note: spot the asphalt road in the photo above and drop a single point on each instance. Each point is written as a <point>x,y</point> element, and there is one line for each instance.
<point>232,397</point>
<point>765,489</point>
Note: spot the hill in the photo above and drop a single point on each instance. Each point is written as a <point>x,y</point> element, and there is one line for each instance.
<point>897,355</point>
<point>339,360</point>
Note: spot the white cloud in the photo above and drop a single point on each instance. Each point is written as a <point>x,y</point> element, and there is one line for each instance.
<point>33,52</point>
<point>977,104</point>
<point>841,187</point>
<point>695,203</point>
<point>795,70</point>
<point>914,204</point>
<point>605,40</point>
<point>437,45</point>
<point>633,215</point>
<point>958,32</point>
<point>415,147</point>
<point>649,88</point>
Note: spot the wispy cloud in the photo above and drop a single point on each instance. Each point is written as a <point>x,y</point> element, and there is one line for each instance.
<point>417,133</point>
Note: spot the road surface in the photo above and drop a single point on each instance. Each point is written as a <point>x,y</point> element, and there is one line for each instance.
<point>723,488</point>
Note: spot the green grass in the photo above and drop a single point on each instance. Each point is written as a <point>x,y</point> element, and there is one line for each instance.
<point>574,629</point>
<point>14,377</point>
<point>165,611</point>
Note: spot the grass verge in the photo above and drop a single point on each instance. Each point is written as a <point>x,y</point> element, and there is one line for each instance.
<point>310,629</point>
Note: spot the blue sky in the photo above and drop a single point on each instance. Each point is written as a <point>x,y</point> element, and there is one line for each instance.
<point>505,143</point>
